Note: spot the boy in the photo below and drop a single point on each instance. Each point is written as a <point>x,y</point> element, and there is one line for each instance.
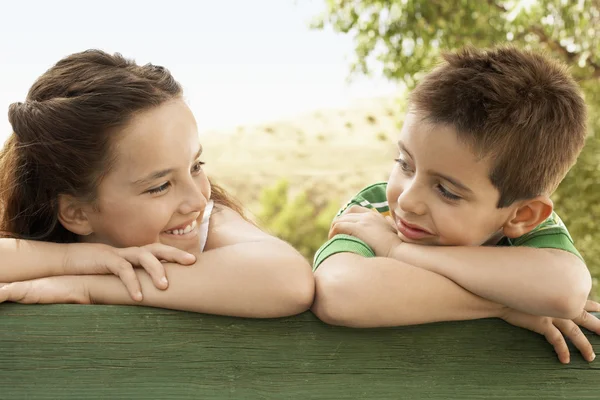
<point>465,226</point>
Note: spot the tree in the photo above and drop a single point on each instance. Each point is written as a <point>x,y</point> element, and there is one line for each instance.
<point>403,38</point>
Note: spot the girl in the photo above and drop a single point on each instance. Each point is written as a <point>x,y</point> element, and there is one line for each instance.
<point>103,173</point>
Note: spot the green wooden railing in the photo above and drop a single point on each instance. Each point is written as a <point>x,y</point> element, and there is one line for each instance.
<point>85,352</point>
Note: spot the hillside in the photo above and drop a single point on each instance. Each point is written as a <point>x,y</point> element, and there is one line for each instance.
<point>343,150</point>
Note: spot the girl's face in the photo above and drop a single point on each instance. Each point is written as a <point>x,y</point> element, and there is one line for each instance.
<point>157,190</point>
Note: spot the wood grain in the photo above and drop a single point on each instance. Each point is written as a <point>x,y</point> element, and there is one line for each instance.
<point>77,352</point>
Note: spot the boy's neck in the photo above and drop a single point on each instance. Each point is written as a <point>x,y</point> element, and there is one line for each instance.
<point>494,239</point>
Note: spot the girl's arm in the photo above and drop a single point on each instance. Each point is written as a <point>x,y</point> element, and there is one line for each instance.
<point>23,260</point>
<point>243,272</point>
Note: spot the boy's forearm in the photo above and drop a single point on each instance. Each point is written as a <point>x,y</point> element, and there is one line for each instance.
<point>259,280</point>
<point>369,292</point>
<point>544,282</point>
<point>22,260</point>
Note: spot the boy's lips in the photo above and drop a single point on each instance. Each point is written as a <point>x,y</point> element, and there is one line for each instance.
<point>411,231</point>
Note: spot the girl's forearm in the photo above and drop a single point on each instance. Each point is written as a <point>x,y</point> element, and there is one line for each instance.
<point>259,280</point>
<point>22,260</point>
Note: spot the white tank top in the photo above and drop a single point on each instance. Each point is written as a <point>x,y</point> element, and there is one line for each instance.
<point>203,228</point>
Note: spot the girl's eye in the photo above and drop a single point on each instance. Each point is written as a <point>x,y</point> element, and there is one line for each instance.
<point>403,165</point>
<point>197,167</point>
<point>447,194</point>
<point>159,189</point>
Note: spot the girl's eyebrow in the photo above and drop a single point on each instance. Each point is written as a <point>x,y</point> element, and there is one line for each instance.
<point>159,174</point>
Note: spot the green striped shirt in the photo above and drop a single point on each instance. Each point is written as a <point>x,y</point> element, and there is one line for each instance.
<point>552,233</point>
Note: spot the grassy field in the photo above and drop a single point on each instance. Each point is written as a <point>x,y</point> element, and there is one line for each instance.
<point>329,151</point>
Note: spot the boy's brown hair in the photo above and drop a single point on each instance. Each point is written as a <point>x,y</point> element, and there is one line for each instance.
<point>519,108</point>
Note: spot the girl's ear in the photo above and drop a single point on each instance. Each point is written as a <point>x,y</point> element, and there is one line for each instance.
<point>72,215</point>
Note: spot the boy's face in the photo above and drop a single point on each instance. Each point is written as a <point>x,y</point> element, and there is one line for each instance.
<point>439,192</point>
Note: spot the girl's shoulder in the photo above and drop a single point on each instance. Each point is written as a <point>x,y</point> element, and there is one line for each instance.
<point>227,227</point>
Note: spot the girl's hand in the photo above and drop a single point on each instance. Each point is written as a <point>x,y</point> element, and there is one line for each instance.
<point>94,258</point>
<point>51,290</point>
<point>555,330</point>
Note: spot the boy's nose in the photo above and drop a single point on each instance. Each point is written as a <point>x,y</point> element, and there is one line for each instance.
<point>410,201</point>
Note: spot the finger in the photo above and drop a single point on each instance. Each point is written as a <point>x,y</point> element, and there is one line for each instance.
<point>356,210</point>
<point>571,330</point>
<point>589,322</point>
<point>392,223</point>
<point>544,326</point>
<point>592,306</point>
<point>557,340</point>
<point>348,218</point>
<point>3,292</point>
<point>121,267</point>
<point>339,228</point>
<point>171,254</point>
<point>15,292</point>
<point>143,258</point>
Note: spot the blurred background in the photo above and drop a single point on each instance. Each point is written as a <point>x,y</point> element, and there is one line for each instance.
<point>298,102</point>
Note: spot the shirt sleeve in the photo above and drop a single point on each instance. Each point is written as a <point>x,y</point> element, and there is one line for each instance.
<point>372,197</point>
<point>342,244</point>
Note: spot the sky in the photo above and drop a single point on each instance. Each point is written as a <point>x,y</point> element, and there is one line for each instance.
<point>239,61</point>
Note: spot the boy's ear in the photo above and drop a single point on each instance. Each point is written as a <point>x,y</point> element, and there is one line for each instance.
<point>72,215</point>
<point>529,214</point>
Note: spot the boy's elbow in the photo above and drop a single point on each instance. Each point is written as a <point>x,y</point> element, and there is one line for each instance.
<point>570,302</point>
<point>333,299</point>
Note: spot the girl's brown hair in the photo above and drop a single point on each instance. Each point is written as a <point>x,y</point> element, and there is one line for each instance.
<point>62,137</point>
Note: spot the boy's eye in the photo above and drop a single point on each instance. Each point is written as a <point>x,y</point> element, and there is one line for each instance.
<point>197,167</point>
<point>160,188</point>
<point>403,165</point>
<point>446,193</point>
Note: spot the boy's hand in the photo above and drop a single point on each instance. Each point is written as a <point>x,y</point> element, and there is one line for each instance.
<point>374,229</point>
<point>51,290</point>
<point>95,259</point>
<point>554,329</point>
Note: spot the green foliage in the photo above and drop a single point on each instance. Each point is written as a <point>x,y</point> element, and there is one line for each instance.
<point>403,39</point>
<point>299,220</point>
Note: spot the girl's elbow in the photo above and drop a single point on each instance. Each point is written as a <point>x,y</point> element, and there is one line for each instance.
<point>298,285</point>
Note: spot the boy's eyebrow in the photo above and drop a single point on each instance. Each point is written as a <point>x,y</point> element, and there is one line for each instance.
<point>452,181</point>
<point>433,173</point>
<point>403,148</point>
<point>160,174</point>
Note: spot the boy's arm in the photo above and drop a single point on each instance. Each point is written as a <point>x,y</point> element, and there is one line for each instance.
<point>352,290</point>
<point>537,281</point>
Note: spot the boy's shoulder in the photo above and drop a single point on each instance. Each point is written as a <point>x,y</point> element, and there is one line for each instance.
<point>552,233</point>
<point>372,196</point>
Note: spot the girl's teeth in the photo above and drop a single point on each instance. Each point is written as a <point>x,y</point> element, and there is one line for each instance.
<point>187,229</point>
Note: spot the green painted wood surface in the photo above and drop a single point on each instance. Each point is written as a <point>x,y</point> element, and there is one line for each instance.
<point>85,352</point>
